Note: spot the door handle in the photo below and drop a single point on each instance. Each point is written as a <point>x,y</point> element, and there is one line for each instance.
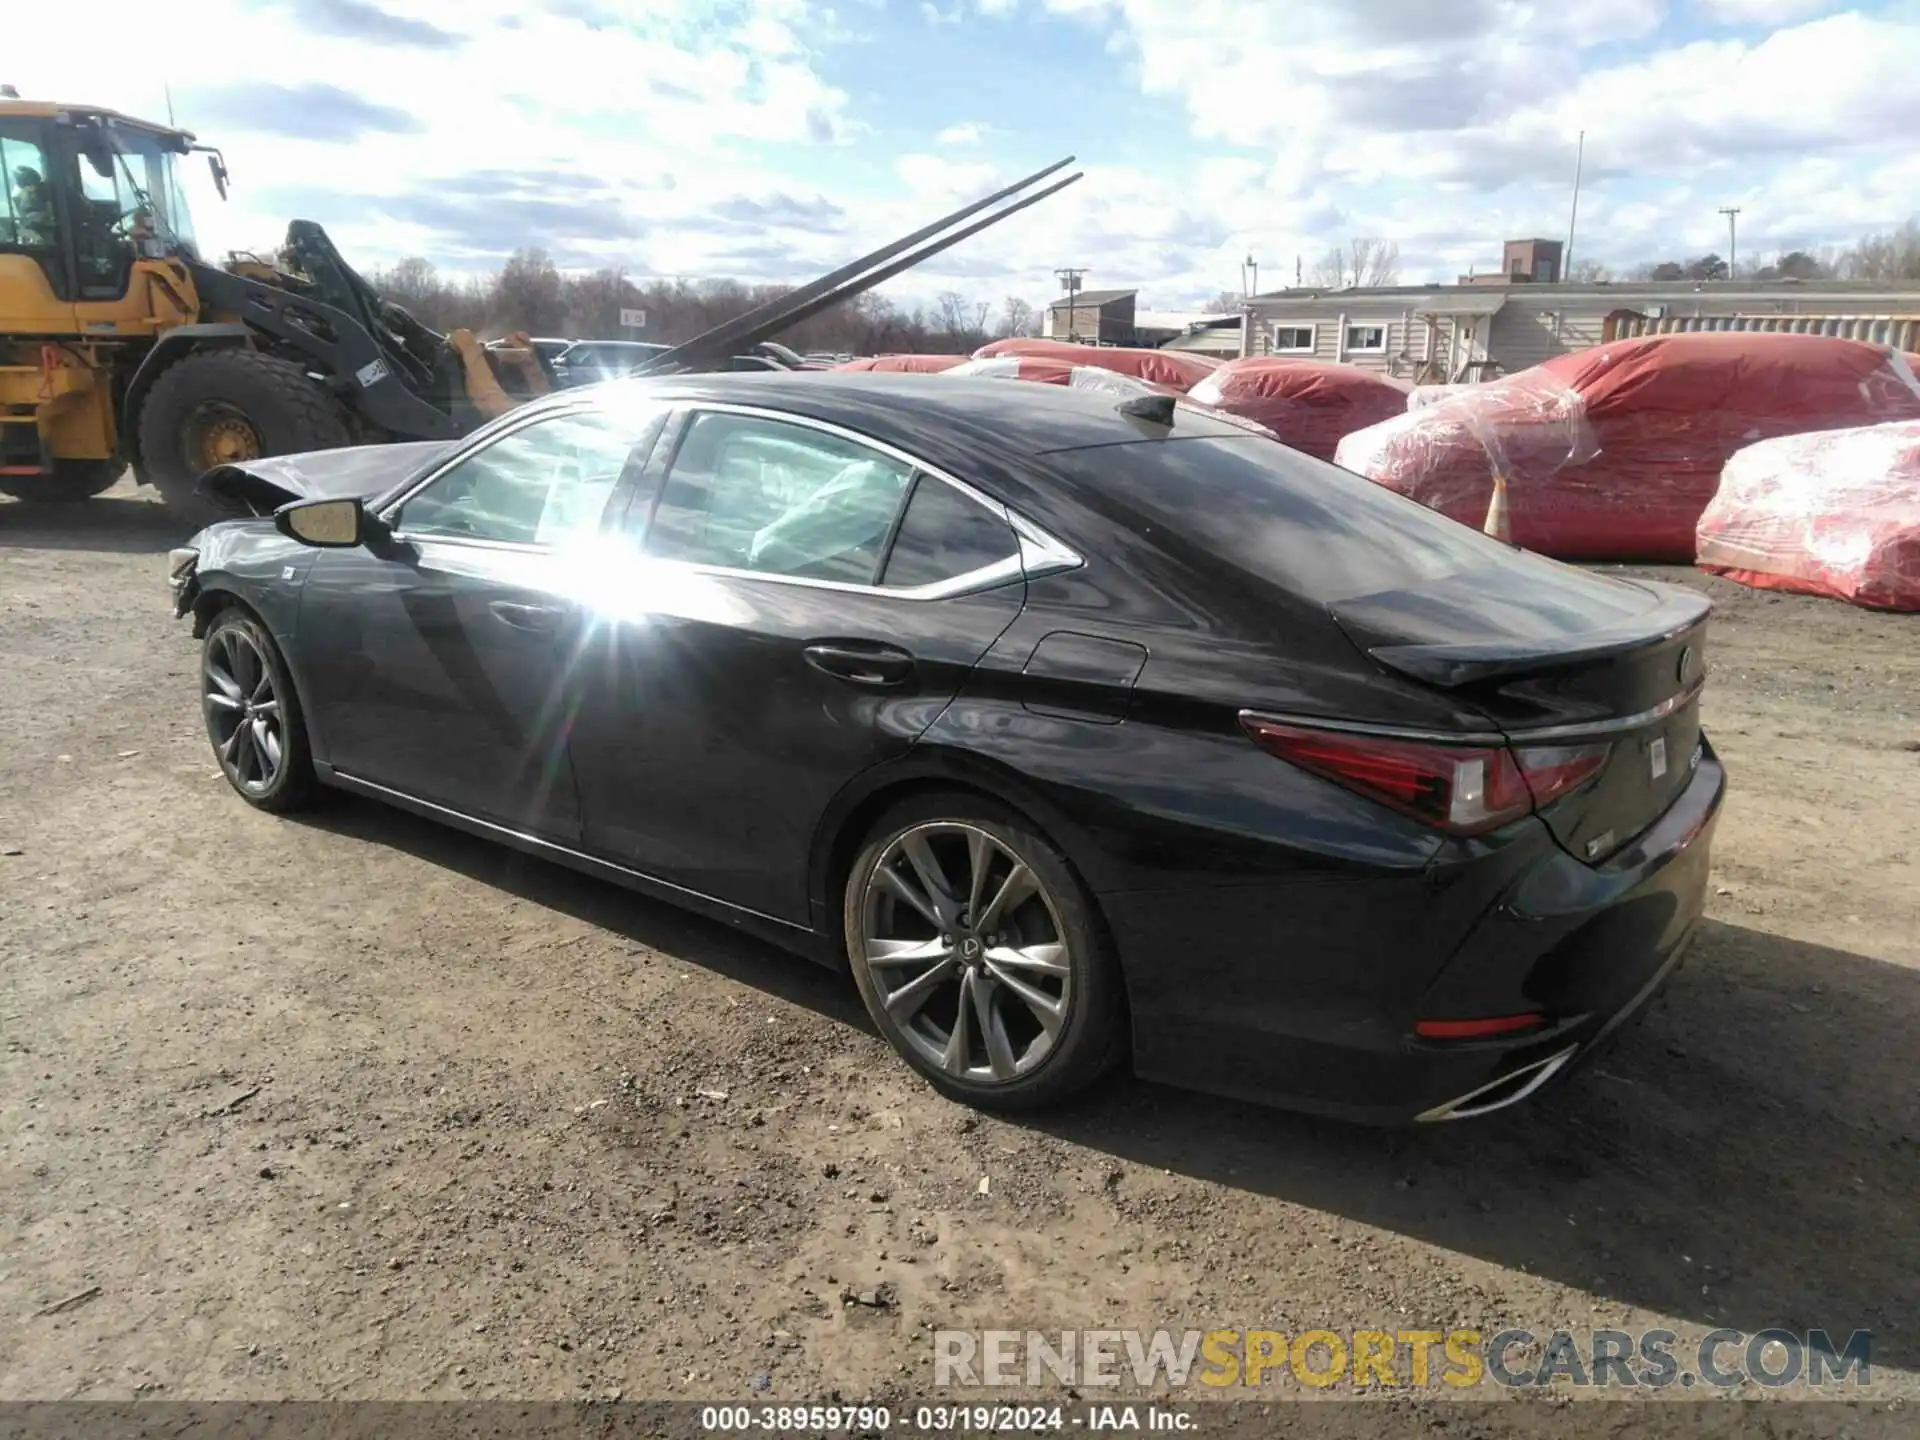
<point>535,619</point>
<point>881,666</point>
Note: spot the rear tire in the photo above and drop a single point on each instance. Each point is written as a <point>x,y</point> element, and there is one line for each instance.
<point>71,481</point>
<point>1011,956</point>
<point>253,717</point>
<point>216,406</point>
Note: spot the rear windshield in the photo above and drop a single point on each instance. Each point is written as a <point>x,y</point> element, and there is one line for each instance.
<point>1325,533</point>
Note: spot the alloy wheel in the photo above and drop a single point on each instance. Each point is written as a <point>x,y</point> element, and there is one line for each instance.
<point>243,711</point>
<point>964,949</point>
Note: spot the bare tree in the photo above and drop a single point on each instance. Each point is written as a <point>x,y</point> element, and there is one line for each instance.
<point>965,323</point>
<point>1329,272</point>
<point>1016,319</point>
<point>1362,262</point>
<point>1588,272</point>
<point>530,295</point>
<point>1891,255</point>
<point>1375,262</point>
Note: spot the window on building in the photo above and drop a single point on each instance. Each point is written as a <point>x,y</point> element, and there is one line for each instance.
<point>1543,271</point>
<point>1366,339</point>
<point>1292,339</point>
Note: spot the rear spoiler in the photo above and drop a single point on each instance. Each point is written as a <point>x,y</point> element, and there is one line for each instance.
<point>1453,666</point>
<point>714,348</point>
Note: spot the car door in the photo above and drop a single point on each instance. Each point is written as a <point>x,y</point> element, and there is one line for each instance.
<point>442,666</point>
<point>805,604</point>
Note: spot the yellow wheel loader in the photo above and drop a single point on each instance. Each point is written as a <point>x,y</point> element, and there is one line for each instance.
<point>120,346</point>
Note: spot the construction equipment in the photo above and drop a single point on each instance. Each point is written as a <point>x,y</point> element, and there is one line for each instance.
<point>120,346</point>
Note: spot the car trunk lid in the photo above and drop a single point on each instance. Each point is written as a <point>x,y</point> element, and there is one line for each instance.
<point>1568,660</point>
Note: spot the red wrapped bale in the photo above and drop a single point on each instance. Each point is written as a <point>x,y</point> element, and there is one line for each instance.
<point>1308,404</point>
<point>1051,370</point>
<point>1613,453</point>
<point>904,364</point>
<point>1834,513</point>
<point>1180,369</point>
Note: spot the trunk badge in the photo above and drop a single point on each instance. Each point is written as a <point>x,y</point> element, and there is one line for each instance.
<point>1657,757</point>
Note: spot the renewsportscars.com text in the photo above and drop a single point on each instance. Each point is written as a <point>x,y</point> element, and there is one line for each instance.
<point>1458,1358</point>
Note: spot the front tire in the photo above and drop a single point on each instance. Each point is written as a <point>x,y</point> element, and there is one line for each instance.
<point>253,717</point>
<point>980,956</point>
<point>71,481</point>
<point>217,407</point>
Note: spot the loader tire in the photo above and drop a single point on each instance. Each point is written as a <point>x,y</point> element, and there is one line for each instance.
<point>71,480</point>
<point>219,406</point>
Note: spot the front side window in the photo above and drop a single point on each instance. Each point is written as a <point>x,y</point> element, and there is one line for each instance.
<point>751,493</point>
<point>1366,339</point>
<point>544,484</point>
<point>943,535</point>
<point>28,219</point>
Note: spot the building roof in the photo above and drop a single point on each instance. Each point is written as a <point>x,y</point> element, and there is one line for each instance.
<point>1179,319</point>
<point>1476,302</point>
<point>1599,289</point>
<point>1089,297</point>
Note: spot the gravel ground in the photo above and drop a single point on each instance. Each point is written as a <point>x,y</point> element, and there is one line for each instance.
<point>356,1107</point>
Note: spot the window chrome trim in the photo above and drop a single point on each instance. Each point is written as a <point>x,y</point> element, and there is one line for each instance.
<point>1036,553</point>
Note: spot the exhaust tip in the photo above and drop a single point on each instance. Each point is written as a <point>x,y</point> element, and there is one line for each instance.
<point>1509,1089</point>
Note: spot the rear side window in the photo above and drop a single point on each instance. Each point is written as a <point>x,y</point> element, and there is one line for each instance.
<point>749,493</point>
<point>943,535</point>
<point>1325,533</point>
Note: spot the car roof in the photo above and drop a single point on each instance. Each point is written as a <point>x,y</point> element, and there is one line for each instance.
<point>1010,418</point>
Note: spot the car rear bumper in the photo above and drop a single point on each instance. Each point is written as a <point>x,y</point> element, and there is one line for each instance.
<point>1586,946</point>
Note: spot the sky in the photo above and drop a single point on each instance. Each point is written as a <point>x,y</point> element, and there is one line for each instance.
<point>773,139</point>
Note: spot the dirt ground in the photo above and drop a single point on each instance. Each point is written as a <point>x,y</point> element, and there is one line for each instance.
<point>357,1107</point>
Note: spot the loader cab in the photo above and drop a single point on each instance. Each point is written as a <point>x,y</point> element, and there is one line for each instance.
<point>85,194</point>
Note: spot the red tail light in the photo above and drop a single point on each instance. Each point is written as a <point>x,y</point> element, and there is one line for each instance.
<point>1477,1029</point>
<point>1462,789</point>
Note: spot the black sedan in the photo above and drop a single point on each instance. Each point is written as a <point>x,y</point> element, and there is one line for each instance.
<point>1078,728</point>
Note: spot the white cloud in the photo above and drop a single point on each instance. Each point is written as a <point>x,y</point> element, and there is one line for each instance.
<point>373,109</point>
<point>1762,12</point>
<point>968,132</point>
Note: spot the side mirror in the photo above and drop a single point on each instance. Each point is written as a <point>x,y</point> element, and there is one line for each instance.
<point>328,524</point>
<point>216,167</point>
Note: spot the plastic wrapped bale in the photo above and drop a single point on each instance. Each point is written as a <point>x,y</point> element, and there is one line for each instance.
<point>1308,404</point>
<point>1466,455</point>
<point>904,364</point>
<point>1834,513</point>
<point>1613,453</point>
<point>1049,370</point>
<point>1422,396</point>
<point>1180,369</point>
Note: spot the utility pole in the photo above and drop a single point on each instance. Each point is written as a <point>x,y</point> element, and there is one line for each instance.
<point>1069,277</point>
<point>1573,217</point>
<point>1732,213</point>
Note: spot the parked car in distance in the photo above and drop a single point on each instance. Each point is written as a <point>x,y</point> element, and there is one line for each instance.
<point>1078,728</point>
<point>587,362</point>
